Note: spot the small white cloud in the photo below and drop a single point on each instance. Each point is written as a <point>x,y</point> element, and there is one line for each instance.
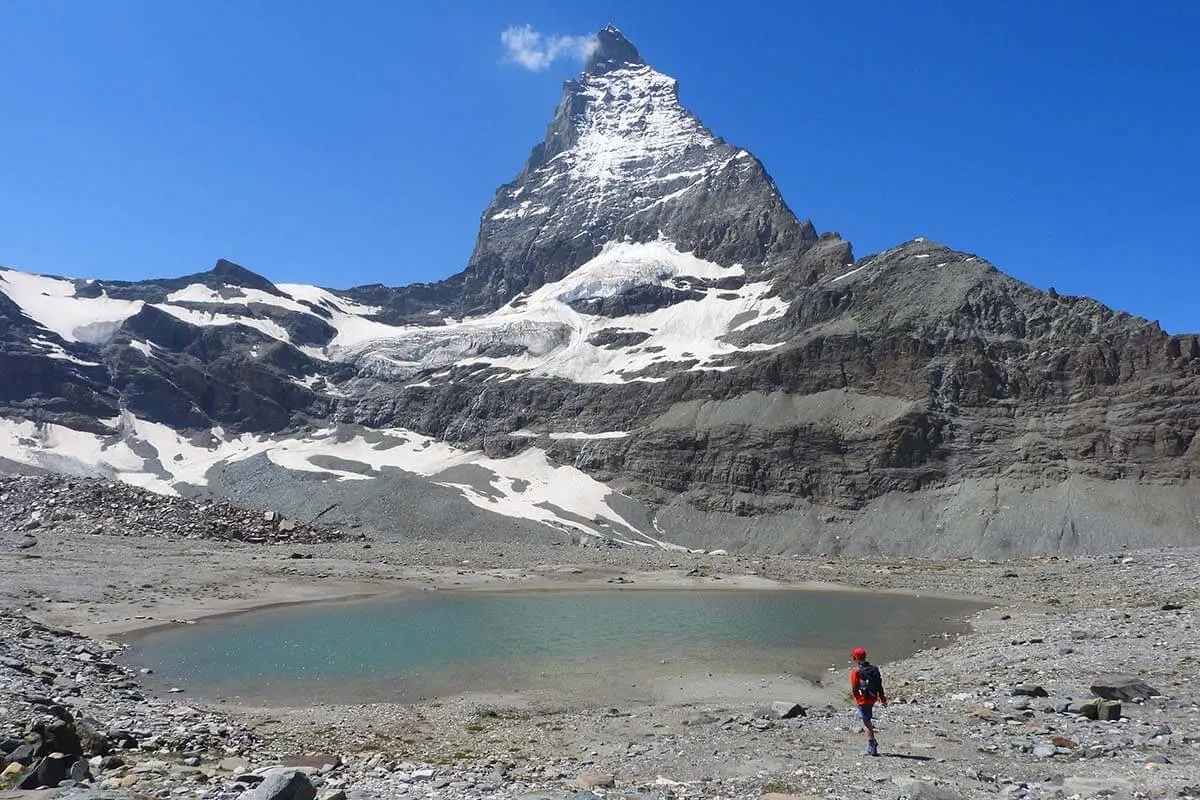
<point>531,50</point>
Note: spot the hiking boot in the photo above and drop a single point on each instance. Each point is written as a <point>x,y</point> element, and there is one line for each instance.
<point>872,748</point>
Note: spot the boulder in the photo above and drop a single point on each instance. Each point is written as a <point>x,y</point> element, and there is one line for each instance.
<point>24,755</point>
<point>79,771</point>
<point>58,734</point>
<point>284,784</point>
<point>92,737</point>
<point>50,771</point>
<point>1122,687</point>
<point>785,709</point>
<point>1102,710</point>
<point>1029,690</point>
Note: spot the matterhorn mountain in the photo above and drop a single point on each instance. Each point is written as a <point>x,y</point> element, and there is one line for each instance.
<point>646,348</point>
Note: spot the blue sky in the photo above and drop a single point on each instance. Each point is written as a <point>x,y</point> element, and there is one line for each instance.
<point>359,142</point>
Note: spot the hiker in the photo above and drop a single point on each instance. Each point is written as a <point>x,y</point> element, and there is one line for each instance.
<point>866,684</point>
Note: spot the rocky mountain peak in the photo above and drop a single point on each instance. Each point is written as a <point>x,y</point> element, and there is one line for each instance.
<point>624,161</point>
<point>232,274</point>
<point>612,50</point>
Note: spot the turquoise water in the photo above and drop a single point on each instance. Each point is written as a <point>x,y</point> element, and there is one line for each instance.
<point>605,645</point>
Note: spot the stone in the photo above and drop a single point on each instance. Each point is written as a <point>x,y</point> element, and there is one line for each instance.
<point>111,762</point>
<point>1102,710</point>
<point>1098,786</point>
<point>79,771</point>
<point>59,735</point>
<point>284,784</point>
<point>924,790</point>
<point>785,709</point>
<point>1122,687</point>
<point>594,780</point>
<point>1029,690</point>
<point>25,755</point>
<point>92,738</point>
<point>986,714</point>
<point>1044,750</point>
<point>10,773</point>
<point>50,771</point>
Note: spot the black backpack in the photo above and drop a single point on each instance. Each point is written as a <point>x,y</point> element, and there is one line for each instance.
<point>870,681</point>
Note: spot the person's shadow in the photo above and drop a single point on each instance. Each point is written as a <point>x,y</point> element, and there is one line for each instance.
<point>907,756</point>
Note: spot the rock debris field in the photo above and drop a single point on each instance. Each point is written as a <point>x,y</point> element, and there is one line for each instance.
<point>1081,680</point>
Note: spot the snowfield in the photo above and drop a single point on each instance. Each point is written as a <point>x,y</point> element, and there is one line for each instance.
<point>52,303</point>
<point>538,334</point>
<point>553,338</point>
<point>156,457</point>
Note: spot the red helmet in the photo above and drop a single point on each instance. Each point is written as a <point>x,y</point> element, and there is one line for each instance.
<point>858,654</point>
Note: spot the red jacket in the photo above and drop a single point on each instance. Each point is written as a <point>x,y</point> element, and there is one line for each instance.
<point>857,691</point>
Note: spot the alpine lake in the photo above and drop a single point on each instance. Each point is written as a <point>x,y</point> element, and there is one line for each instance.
<point>606,646</point>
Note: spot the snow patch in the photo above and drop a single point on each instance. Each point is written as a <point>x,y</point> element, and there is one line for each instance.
<point>52,303</point>
<point>526,486</point>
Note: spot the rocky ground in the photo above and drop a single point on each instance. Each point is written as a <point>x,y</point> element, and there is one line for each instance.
<point>1016,709</point>
<point>29,504</point>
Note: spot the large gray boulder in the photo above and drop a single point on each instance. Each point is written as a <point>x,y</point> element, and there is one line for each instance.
<point>284,784</point>
<point>1122,687</point>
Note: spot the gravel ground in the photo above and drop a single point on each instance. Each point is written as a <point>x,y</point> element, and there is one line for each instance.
<point>998,712</point>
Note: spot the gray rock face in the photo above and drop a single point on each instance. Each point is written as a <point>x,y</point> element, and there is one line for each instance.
<point>284,785</point>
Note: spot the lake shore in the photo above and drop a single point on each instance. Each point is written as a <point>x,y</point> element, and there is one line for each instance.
<point>954,726</point>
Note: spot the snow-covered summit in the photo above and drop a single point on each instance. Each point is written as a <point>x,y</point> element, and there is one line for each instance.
<point>611,50</point>
<point>623,160</point>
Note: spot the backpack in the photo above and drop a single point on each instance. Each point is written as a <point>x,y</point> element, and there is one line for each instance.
<point>870,681</point>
